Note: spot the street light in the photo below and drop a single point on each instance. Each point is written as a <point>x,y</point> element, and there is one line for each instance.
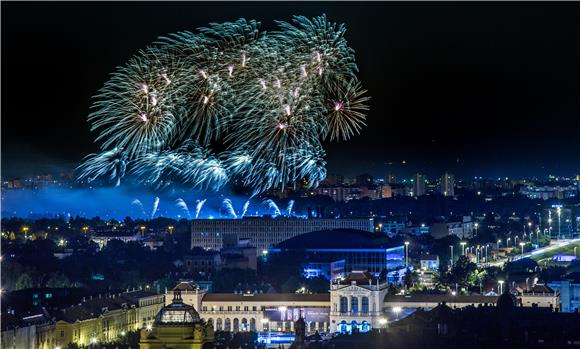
<point>397,310</point>
<point>498,244</point>
<point>508,242</point>
<point>463,243</point>
<point>451,246</point>
<point>406,254</point>
<point>383,323</point>
<point>500,282</point>
<point>522,246</point>
<point>170,228</point>
<point>559,210</point>
<point>476,226</point>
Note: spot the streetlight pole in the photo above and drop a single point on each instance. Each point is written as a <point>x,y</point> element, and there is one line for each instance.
<point>463,247</point>
<point>500,286</point>
<point>522,244</point>
<point>406,254</point>
<point>559,223</point>
<point>451,246</point>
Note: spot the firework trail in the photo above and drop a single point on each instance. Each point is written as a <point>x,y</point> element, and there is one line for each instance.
<point>182,205</point>
<point>269,99</point>
<point>227,203</point>
<point>139,204</point>
<point>245,208</point>
<point>155,207</point>
<point>289,207</point>
<point>198,207</point>
<point>272,205</point>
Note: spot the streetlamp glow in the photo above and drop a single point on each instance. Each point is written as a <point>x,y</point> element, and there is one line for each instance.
<point>500,282</point>
<point>463,243</point>
<point>282,308</point>
<point>522,246</point>
<point>406,254</point>
<point>397,310</point>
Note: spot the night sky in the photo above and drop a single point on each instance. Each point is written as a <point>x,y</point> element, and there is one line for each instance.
<point>490,89</point>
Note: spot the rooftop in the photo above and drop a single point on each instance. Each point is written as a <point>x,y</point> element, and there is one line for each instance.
<point>266,297</point>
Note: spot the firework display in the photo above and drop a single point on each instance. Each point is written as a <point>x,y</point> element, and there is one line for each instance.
<point>268,98</point>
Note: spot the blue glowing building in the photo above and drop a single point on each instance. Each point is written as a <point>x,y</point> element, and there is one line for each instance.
<point>360,251</point>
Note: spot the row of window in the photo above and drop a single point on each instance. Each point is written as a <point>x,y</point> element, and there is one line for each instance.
<point>354,305</point>
<point>230,308</point>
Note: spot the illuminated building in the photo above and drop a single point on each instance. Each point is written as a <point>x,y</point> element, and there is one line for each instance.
<point>569,292</point>
<point>541,296</point>
<point>101,319</point>
<point>102,238</point>
<point>177,326</point>
<point>357,302</point>
<point>429,262</point>
<point>448,184</point>
<point>386,191</point>
<point>359,249</point>
<point>257,311</point>
<point>340,193</point>
<point>419,185</point>
<point>265,232</point>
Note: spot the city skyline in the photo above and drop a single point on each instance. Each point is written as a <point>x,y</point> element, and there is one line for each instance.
<point>442,100</point>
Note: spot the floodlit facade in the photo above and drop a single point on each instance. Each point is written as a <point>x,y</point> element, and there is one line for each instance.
<point>265,232</point>
<point>357,303</point>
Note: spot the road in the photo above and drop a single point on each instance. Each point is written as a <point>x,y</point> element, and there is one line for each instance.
<point>553,245</point>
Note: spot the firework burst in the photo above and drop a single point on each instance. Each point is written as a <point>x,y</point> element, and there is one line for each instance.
<point>268,98</point>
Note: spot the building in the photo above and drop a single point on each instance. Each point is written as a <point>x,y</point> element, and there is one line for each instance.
<point>265,232</point>
<point>202,262</point>
<point>328,270</point>
<point>103,237</point>
<point>340,193</point>
<point>17,333</point>
<point>429,262</point>
<point>360,250</point>
<point>419,185</point>
<point>540,296</point>
<point>501,324</point>
<point>177,326</point>
<point>101,319</point>
<point>441,230</point>
<point>569,292</point>
<point>386,191</point>
<point>390,178</point>
<point>356,303</point>
<point>448,184</point>
<point>257,311</point>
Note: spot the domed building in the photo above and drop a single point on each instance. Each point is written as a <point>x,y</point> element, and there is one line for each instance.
<point>177,326</point>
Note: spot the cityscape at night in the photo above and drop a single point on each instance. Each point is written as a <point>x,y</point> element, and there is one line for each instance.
<point>196,175</point>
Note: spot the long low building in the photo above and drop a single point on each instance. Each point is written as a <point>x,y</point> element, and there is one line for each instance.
<point>357,301</point>
<point>265,232</point>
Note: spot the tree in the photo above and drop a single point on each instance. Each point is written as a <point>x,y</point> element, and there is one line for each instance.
<point>24,281</point>
<point>57,280</point>
<point>410,279</point>
<point>291,285</point>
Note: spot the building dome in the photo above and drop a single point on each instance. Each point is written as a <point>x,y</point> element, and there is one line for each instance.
<point>177,313</point>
